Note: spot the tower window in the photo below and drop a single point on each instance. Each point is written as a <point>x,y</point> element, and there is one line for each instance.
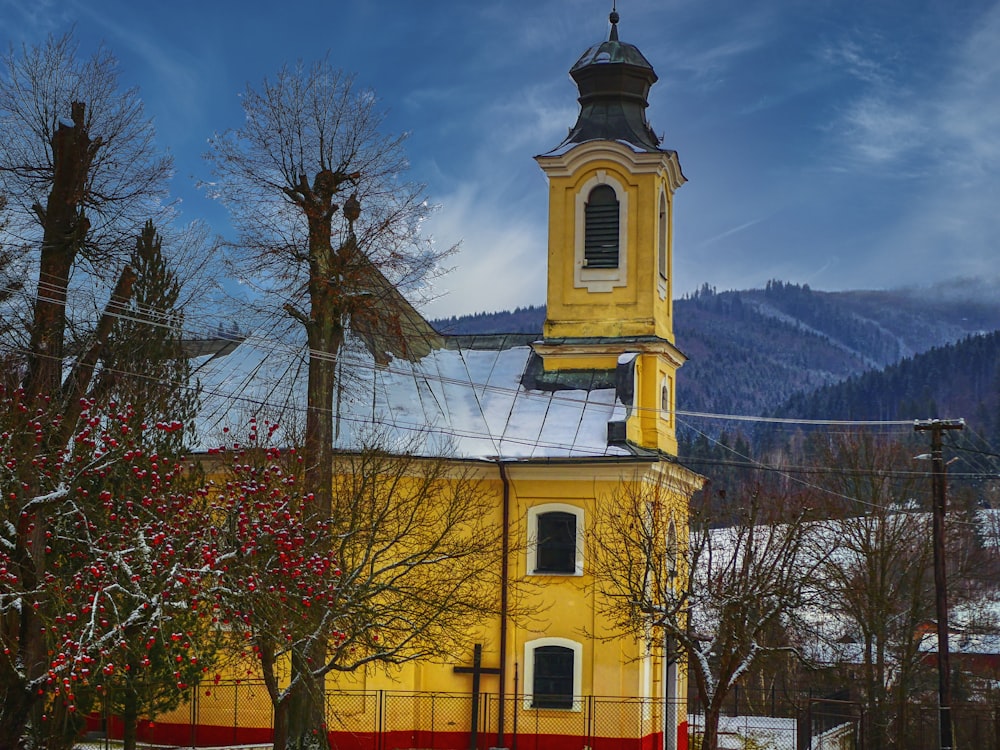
<point>601,233</point>
<point>666,409</point>
<point>661,239</point>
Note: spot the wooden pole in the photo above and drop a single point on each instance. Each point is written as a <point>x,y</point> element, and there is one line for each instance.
<point>938,491</point>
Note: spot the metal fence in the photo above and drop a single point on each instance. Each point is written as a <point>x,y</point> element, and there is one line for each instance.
<point>239,714</point>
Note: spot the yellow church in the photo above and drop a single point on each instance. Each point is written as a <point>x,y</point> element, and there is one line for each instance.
<point>553,424</point>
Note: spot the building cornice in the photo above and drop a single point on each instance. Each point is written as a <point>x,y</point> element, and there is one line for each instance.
<point>568,163</point>
<point>567,349</point>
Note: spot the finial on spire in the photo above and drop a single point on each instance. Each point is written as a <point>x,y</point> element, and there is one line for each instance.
<point>614,22</point>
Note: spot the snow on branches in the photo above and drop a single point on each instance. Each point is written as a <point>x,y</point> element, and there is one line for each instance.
<point>105,542</point>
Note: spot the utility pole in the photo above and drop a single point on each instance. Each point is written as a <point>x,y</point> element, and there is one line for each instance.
<point>938,490</point>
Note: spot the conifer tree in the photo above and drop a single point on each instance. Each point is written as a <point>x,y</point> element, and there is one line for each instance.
<point>145,364</point>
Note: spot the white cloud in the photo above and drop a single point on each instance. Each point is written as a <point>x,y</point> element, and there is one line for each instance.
<point>880,131</point>
<point>502,261</point>
<point>729,232</point>
<point>852,56</point>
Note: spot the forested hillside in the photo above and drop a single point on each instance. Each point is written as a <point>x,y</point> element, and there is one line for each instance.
<point>957,380</point>
<point>752,351</point>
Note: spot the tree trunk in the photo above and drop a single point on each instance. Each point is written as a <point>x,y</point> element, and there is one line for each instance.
<point>710,738</point>
<point>305,723</point>
<point>300,718</point>
<point>14,717</point>
<point>280,740</point>
<point>64,230</point>
<point>130,717</point>
<point>325,337</point>
<point>325,330</point>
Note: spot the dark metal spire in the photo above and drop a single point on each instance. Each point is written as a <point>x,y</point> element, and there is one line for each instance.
<point>614,80</point>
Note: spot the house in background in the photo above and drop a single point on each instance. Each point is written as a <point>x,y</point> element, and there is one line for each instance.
<point>553,424</point>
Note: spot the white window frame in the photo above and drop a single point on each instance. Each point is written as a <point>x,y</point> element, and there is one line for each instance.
<point>532,552</point>
<point>666,384</point>
<point>529,672</point>
<point>600,279</point>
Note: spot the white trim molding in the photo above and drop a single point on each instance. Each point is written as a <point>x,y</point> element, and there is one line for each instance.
<point>599,279</point>
<point>532,552</point>
<point>529,671</point>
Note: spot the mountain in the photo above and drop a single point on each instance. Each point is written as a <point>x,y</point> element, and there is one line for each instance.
<point>751,351</point>
<point>957,380</point>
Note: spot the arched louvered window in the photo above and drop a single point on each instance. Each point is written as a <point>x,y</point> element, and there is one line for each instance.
<point>600,248</point>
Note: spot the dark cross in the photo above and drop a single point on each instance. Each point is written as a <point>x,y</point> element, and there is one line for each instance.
<point>476,670</point>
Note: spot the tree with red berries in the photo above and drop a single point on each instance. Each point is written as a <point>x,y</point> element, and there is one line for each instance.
<point>128,560</point>
<point>82,175</point>
<point>402,569</point>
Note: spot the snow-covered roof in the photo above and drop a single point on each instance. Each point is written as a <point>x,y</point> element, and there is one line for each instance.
<point>462,400</point>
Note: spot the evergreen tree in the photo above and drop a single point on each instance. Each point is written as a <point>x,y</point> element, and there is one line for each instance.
<point>145,364</point>
<point>146,367</point>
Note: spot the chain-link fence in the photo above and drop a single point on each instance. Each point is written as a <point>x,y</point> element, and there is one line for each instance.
<point>239,714</point>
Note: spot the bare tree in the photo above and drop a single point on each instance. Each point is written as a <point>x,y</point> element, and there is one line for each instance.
<point>330,228</point>
<point>82,172</point>
<point>716,593</point>
<point>405,568</point>
<point>877,589</point>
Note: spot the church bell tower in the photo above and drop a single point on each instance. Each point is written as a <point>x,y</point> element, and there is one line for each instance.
<point>610,245</point>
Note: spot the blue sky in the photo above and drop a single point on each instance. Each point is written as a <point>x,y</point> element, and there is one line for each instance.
<point>840,143</point>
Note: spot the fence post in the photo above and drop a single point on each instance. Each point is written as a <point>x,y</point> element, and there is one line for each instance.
<point>194,714</point>
<point>590,720</point>
<point>236,710</point>
<point>517,705</point>
<point>805,726</point>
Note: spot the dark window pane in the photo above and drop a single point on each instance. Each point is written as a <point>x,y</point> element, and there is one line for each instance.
<point>552,686</point>
<point>662,238</point>
<point>600,247</point>
<point>556,548</point>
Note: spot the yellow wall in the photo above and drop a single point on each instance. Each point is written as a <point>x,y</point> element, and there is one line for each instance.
<point>552,606</point>
<point>636,303</point>
<point>544,606</point>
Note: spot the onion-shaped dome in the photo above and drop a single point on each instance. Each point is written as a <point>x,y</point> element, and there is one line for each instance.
<point>614,81</point>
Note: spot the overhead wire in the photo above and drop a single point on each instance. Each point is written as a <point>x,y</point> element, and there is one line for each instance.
<point>272,344</point>
<point>266,402</point>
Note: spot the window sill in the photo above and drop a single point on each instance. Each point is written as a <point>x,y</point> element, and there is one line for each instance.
<point>575,708</point>
<point>556,573</point>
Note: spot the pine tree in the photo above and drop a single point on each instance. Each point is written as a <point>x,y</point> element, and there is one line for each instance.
<point>145,364</point>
